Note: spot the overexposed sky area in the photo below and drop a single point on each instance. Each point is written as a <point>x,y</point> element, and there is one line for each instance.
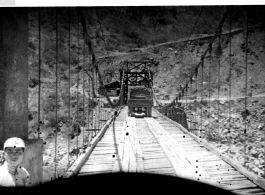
<point>7,2</point>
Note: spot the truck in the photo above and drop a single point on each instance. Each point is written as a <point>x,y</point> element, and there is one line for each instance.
<point>140,102</point>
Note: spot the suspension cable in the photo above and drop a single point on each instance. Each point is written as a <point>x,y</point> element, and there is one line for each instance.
<point>186,42</point>
<point>102,33</point>
<point>56,95</point>
<point>212,39</point>
<point>69,85</point>
<point>39,79</point>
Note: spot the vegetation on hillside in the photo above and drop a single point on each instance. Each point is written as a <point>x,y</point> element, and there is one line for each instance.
<point>155,32</point>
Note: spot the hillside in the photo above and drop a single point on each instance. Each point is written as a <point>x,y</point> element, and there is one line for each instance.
<point>138,33</point>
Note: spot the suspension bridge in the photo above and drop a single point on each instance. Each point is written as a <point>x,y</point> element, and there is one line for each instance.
<point>98,134</point>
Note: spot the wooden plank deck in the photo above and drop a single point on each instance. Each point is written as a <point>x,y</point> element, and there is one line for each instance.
<point>156,145</point>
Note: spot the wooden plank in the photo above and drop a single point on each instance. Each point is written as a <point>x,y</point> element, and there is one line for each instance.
<point>189,160</point>
<point>76,166</point>
<point>250,191</point>
<point>93,172</point>
<point>236,182</point>
<point>101,161</point>
<point>238,187</point>
<point>227,177</point>
<point>156,166</point>
<point>90,168</point>
<point>118,163</point>
<point>213,169</point>
<point>179,169</point>
<point>139,153</point>
<point>256,179</point>
<point>219,172</point>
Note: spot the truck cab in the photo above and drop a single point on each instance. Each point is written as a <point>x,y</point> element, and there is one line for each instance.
<point>140,102</point>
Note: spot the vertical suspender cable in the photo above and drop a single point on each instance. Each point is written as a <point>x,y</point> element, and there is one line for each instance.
<point>83,94</point>
<point>93,109</point>
<point>186,90</point>
<point>202,64</point>
<point>88,104</point>
<point>88,108</point>
<point>77,86</point>
<point>88,112</point>
<point>97,111</point>
<point>56,95</point>
<point>191,99</point>
<point>230,76</point>
<point>219,79</point>
<point>196,77</point>
<point>39,92</point>
<point>69,86</point>
<point>246,81</point>
<point>209,88</point>
<point>97,114</point>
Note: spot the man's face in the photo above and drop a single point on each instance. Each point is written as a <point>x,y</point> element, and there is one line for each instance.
<point>14,156</point>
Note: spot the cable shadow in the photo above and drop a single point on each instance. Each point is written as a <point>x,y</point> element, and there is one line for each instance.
<point>116,145</point>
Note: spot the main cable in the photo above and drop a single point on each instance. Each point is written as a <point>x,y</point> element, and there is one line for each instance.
<point>186,42</point>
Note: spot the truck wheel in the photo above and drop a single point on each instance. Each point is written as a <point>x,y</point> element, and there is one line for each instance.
<point>148,112</point>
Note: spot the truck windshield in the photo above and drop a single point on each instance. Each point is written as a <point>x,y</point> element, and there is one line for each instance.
<point>140,94</point>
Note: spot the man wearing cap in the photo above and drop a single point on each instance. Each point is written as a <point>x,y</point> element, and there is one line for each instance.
<point>11,172</point>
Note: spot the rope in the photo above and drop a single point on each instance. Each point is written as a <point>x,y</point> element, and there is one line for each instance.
<point>191,102</point>
<point>88,109</point>
<point>209,86</point>
<point>56,96</point>
<point>77,85</point>
<point>246,82</point>
<point>94,63</point>
<point>230,77</point>
<point>196,77</point>
<point>210,44</point>
<point>219,80</point>
<point>93,111</point>
<point>186,42</point>
<point>201,96</point>
<point>69,86</point>
<point>212,40</point>
<point>39,79</point>
<point>102,33</point>
<point>186,92</point>
<point>83,95</point>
